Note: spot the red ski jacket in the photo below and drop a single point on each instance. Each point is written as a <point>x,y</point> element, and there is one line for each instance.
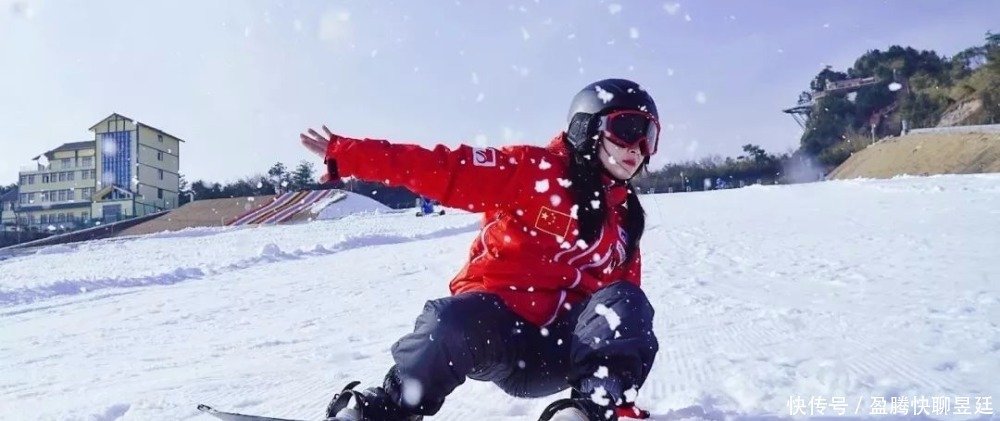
<point>527,252</point>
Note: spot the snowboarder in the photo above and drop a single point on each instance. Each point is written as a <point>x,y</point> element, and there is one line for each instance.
<point>426,207</point>
<point>550,296</point>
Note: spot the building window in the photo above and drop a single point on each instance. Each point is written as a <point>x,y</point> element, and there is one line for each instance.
<point>161,174</point>
<point>159,194</point>
<point>159,137</point>
<point>159,155</point>
<point>62,176</point>
<point>88,161</point>
<point>45,178</point>
<point>70,175</point>
<point>66,162</point>
<point>84,216</point>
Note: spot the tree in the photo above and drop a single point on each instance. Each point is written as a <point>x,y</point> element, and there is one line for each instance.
<point>203,190</point>
<point>755,152</point>
<point>183,190</point>
<point>7,188</point>
<point>818,83</point>
<point>993,61</point>
<point>279,177</point>
<point>828,124</point>
<point>303,176</point>
<point>992,40</point>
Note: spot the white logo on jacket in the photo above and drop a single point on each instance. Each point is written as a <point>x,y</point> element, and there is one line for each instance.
<point>620,246</point>
<point>484,157</point>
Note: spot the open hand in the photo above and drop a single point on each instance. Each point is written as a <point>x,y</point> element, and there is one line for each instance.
<point>317,143</point>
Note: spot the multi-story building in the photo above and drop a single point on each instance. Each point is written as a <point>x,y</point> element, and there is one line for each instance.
<point>128,169</point>
<point>8,203</point>
<point>57,189</point>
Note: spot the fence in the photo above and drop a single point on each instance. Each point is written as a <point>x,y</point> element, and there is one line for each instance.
<point>986,128</point>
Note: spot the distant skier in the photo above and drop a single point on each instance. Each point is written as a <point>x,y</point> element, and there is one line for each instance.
<point>426,206</point>
<point>550,298</point>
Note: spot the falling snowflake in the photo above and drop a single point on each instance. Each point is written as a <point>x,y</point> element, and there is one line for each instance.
<point>613,319</point>
<point>631,394</point>
<point>614,8</point>
<point>542,186</point>
<point>633,33</point>
<point>671,8</point>
<point>603,95</point>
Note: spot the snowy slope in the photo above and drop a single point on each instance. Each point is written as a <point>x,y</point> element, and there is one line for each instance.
<point>895,294</point>
<point>351,204</point>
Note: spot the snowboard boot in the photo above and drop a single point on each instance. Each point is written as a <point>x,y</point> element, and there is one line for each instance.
<point>596,399</point>
<point>585,409</point>
<point>372,404</point>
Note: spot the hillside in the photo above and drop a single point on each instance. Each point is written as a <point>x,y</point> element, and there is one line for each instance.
<point>888,92</point>
<point>924,154</point>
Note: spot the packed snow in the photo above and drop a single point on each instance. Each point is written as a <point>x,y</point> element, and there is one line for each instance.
<point>351,204</point>
<point>771,301</point>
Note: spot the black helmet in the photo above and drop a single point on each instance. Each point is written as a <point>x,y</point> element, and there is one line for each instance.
<point>601,98</point>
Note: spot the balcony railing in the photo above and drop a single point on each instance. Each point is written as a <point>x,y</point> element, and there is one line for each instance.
<point>54,168</point>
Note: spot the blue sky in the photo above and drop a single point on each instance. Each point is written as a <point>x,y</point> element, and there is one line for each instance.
<point>238,80</point>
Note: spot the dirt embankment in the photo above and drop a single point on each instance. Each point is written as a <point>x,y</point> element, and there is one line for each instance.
<point>200,213</point>
<point>925,154</point>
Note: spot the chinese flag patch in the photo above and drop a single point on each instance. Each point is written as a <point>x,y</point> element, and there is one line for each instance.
<point>553,222</point>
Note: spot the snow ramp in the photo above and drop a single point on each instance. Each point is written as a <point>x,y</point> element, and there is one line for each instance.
<point>285,206</point>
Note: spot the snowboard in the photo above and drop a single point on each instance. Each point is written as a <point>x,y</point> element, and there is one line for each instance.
<point>232,416</point>
<point>547,415</point>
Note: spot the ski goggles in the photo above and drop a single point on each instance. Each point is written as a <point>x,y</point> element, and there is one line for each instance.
<point>627,128</point>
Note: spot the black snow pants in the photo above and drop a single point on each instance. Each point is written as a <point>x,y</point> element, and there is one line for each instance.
<point>474,335</point>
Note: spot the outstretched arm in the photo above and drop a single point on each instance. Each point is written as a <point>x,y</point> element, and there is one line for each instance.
<point>469,178</point>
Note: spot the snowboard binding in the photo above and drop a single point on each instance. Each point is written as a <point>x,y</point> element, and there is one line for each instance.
<point>578,408</point>
<point>340,402</point>
<point>340,408</point>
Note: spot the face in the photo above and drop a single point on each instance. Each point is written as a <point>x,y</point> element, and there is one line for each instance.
<point>621,162</point>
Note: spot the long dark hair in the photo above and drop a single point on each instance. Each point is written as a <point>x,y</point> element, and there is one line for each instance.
<point>585,172</point>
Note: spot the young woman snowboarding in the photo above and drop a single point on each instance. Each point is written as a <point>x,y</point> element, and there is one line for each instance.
<point>550,296</point>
